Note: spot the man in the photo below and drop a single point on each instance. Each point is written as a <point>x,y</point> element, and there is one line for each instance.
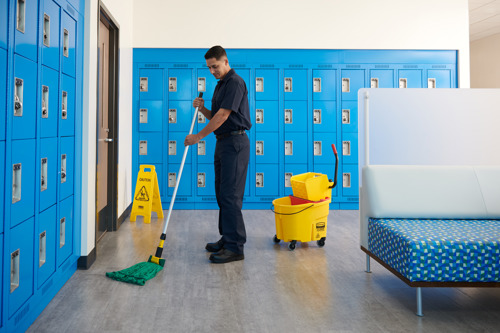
<point>229,119</point>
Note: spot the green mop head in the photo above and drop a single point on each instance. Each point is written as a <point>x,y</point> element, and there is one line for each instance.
<point>139,273</point>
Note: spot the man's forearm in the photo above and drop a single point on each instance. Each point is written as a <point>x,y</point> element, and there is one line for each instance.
<point>218,119</point>
<point>206,112</point>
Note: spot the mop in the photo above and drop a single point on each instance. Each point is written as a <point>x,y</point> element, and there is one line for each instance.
<point>143,271</point>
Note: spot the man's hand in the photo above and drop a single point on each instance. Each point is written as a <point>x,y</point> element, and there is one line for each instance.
<point>191,139</point>
<point>199,103</point>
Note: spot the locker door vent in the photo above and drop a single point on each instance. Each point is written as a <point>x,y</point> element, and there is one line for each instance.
<point>181,65</point>
<point>381,66</point>
<point>267,65</point>
<point>152,65</point>
<point>70,10</point>
<point>410,66</point>
<point>21,314</point>
<point>240,65</point>
<point>353,66</point>
<point>295,66</point>
<point>438,66</point>
<point>325,66</point>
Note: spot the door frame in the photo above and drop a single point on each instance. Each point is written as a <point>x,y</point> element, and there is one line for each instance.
<point>108,20</point>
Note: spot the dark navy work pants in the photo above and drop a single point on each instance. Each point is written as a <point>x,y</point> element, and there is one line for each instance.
<point>231,158</point>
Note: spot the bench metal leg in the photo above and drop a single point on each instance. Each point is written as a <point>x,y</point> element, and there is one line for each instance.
<point>368,264</point>
<point>419,302</point>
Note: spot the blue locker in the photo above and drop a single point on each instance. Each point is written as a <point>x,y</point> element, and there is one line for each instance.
<point>48,173</point>
<point>266,147</point>
<point>49,93</point>
<point>26,28</point>
<point>352,80</point>
<point>151,84</point>
<point>266,116</point>
<point>64,243</point>
<point>2,184</point>
<point>381,78</point>
<point>150,116</point>
<point>295,84</point>
<point>186,183</point>
<point>161,181</point>
<point>410,78</point>
<point>349,148</point>
<point>440,78</point>
<point>78,5</point>
<point>67,113</point>
<point>349,180</point>
<point>205,180</point>
<point>324,116</point>
<point>150,148</point>
<point>266,84</point>
<point>292,170</point>
<point>51,34</point>
<point>266,180</point>
<point>201,120</point>
<point>24,86</point>
<point>322,148</point>
<point>324,88</point>
<point>180,116</point>
<point>295,115</point>
<point>329,170</point>
<point>349,117</point>
<point>205,149</point>
<point>20,259</point>
<point>68,36</point>
<point>295,147</point>
<point>180,84</point>
<point>175,147</point>
<point>66,167</point>
<point>4,7</point>
<point>46,244</point>
<point>22,171</point>
<point>3,92</point>
<point>206,84</point>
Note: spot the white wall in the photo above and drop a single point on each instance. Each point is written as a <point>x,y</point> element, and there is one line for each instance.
<point>484,62</point>
<point>311,24</point>
<point>121,12</point>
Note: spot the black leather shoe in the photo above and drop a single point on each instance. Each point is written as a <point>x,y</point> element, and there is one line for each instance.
<point>225,256</point>
<point>214,247</point>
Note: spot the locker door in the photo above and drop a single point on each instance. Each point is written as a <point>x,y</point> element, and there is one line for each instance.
<point>205,149</point>
<point>50,95</point>
<point>352,81</point>
<point>266,180</point>
<point>150,116</point>
<point>151,84</point>
<point>266,147</point>
<point>410,78</point>
<point>24,97</point>
<point>64,244</point>
<point>349,117</point>
<point>295,116</point>
<point>295,147</point>
<point>180,115</point>
<point>349,181</point>
<point>439,78</point>
<point>150,148</point>
<point>186,182</point>
<point>349,148</point>
<point>67,112</point>
<point>175,147</point>
<point>266,84</point>
<point>3,92</point>
<point>68,35</point>
<point>2,184</point>
<point>205,180</point>
<point>4,8</point>
<point>381,78</point>
<point>51,34</point>
<point>46,234</point>
<point>324,116</point>
<point>324,88</point>
<point>180,84</point>
<point>48,172</point>
<point>206,83</point>
<point>266,116</point>
<point>322,148</point>
<point>329,170</point>
<point>66,167</point>
<point>26,28</point>
<point>295,84</point>
<point>22,171</point>
<point>20,262</point>
<point>292,170</point>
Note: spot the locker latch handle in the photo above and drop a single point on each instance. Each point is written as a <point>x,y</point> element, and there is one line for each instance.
<point>14,269</point>
<point>63,168</point>
<point>42,249</point>
<point>16,182</point>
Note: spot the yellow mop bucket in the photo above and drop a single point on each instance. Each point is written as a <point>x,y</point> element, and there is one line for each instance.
<point>311,186</point>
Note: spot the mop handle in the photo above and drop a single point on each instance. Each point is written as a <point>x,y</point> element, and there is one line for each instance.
<point>180,171</point>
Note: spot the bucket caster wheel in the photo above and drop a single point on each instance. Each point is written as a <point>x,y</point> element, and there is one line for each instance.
<point>291,246</point>
<point>276,239</point>
<point>321,242</point>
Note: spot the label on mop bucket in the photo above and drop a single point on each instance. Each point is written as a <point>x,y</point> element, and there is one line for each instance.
<point>147,195</point>
<point>320,226</point>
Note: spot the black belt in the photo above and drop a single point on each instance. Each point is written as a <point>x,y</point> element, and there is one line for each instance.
<point>227,134</point>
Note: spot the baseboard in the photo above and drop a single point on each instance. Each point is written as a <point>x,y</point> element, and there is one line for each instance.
<point>124,216</point>
<point>84,262</point>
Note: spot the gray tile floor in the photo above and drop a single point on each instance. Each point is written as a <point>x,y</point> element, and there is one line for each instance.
<point>308,290</point>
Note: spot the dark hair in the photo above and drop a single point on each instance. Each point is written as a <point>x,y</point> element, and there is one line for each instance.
<point>216,52</point>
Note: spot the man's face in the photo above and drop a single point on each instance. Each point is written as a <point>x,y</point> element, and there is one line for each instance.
<point>218,68</point>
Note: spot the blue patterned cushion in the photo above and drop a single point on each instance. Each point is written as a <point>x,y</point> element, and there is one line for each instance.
<point>438,250</point>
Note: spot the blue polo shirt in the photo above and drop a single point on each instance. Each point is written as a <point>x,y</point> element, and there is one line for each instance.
<point>231,93</point>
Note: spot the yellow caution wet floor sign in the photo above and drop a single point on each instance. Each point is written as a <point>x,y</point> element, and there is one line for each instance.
<point>147,195</point>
